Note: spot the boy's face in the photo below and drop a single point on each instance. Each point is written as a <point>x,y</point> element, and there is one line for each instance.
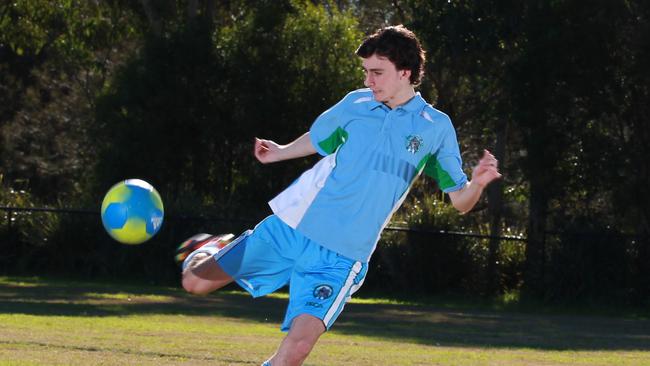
<point>386,82</point>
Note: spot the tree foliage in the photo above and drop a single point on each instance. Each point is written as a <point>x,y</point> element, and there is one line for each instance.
<point>55,57</point>
<point>196,95</point>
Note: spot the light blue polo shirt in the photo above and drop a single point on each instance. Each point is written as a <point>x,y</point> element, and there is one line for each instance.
<point>372,156</point>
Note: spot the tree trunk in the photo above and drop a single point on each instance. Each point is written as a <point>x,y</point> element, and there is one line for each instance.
<point>535,249</point>
<point>495,213</point>
<point>192,9</point>
<point>152,15</point>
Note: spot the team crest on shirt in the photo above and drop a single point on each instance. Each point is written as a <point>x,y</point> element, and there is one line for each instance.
<point>413,143</point>
<point>322,292</point>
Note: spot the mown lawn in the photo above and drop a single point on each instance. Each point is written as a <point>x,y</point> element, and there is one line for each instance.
<point>57,322</point>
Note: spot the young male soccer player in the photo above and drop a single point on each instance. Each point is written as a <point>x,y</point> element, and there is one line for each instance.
<point>325,226</point>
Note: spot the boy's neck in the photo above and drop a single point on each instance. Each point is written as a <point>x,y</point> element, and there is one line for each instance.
<point>402,98</point>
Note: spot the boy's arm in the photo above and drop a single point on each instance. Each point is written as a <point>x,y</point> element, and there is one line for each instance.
<point>485,172</point>
<point>267,151</point>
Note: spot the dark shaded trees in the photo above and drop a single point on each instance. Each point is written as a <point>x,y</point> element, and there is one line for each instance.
<point>197,94</point>
<point>55,57</point>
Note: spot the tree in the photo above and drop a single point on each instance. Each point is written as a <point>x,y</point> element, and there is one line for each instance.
<point>202,88</point>
<point>565,55</point>
<point>469,50</point>
<point>54,59</point>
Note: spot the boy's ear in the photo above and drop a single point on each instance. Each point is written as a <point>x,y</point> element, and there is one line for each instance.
<point>406,74</point>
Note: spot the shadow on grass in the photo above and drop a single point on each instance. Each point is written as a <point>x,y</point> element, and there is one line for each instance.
<point>422,324</point>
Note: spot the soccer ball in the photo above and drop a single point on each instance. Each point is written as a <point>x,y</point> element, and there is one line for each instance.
<point>132,211</point>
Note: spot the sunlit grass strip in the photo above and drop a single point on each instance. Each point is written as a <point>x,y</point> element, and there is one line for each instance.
<point>66,322</point>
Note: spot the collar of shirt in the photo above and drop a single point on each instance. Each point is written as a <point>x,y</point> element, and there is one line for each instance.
<point>413,105</point>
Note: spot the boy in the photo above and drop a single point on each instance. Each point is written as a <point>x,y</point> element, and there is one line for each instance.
<point>325,226</point>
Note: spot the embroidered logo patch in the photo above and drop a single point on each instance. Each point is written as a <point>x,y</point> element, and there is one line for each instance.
<point>322,292</point>
<point>413,143</point>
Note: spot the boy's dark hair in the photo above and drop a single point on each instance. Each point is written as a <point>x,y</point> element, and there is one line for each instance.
<point>400,46</point>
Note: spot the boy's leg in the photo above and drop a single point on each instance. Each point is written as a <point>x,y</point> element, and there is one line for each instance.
<point>296,346</point>
<point>259,260</point>
<point>321,283</point>
<point>200,275</point>
<point>204,275</point>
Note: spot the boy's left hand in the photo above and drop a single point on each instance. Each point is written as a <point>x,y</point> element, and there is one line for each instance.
<point>486,171</point>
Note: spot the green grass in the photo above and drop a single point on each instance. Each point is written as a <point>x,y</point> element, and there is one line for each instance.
<point>62,322</point>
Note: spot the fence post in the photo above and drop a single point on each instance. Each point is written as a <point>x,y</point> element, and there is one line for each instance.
<point>9,214</point>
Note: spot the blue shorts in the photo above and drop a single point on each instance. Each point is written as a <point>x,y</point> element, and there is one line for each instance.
<point>274,254</point>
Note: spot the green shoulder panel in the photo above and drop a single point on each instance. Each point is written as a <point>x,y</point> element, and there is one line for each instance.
<point>336,139</point>
<point>433,169</point>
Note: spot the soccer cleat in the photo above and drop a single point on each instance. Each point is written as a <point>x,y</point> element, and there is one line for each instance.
<point>199,241</point>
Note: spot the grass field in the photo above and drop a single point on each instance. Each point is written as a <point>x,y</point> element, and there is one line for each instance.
<point>57,322</point>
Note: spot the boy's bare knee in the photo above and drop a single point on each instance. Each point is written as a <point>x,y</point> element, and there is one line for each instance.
<point>197,285</point>
<point>302,349</point>
<point>189,283</point>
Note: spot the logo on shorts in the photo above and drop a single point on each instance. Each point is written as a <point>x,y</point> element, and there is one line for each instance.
<point>322,292</point>
<point>413,143</point>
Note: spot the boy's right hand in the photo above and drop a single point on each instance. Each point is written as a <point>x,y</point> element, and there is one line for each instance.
<point>267,151</point>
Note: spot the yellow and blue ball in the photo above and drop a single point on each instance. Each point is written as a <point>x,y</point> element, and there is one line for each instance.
<point>132,211</point>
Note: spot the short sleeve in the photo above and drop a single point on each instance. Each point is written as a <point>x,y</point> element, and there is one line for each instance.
<point>327,132</point>
<point>445,164</point>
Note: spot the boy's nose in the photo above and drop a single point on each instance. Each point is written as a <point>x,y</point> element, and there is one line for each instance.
<point>368,82</point>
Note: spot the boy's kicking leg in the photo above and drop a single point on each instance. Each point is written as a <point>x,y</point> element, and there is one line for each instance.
<point>272,256</point>
<point>203,275</point>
